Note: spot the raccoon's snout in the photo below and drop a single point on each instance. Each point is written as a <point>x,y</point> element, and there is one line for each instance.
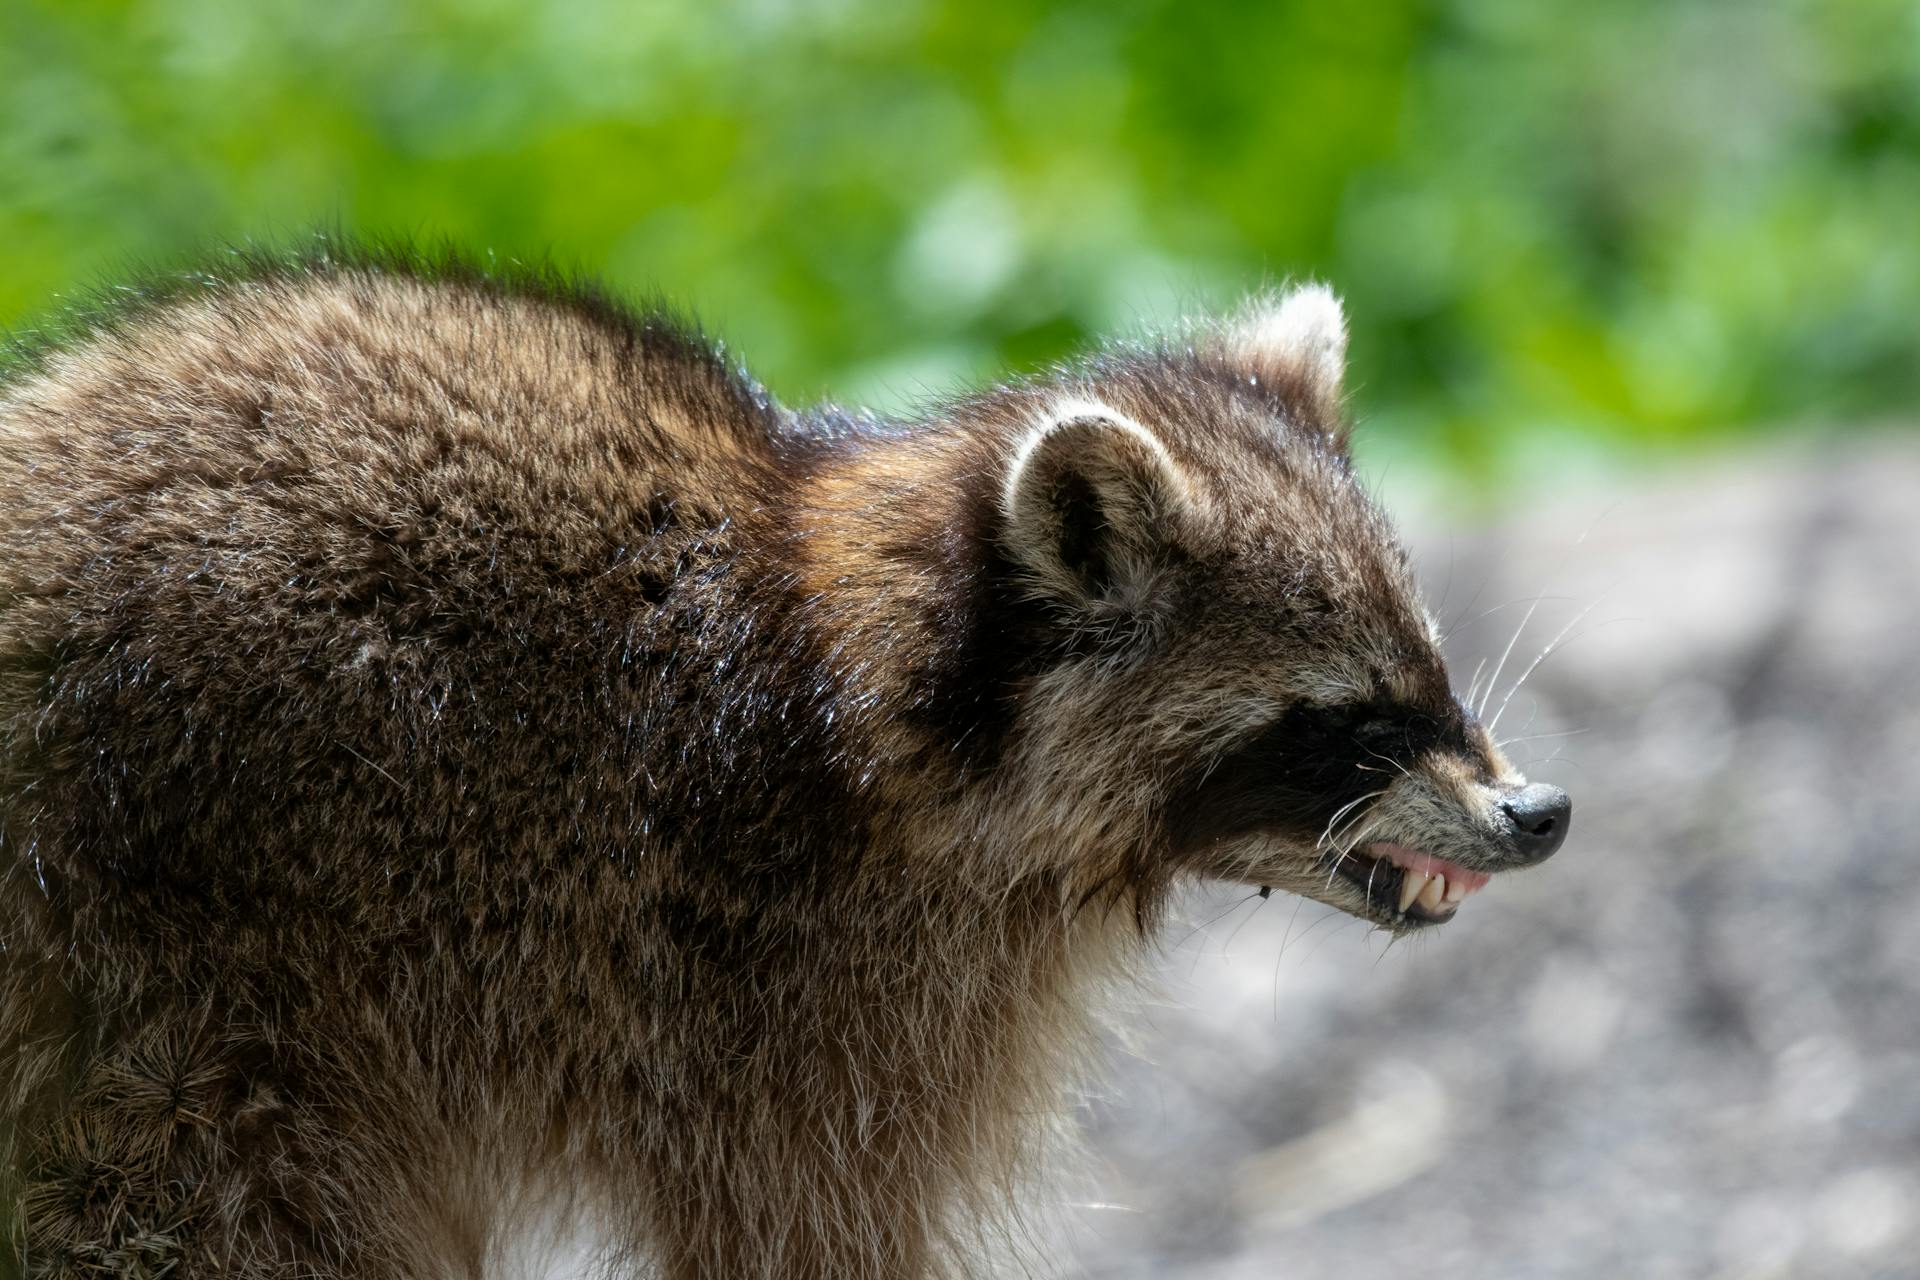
<point>1536,818</point>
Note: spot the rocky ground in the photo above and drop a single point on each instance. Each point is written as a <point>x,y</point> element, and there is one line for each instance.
<point>1689,1046</point>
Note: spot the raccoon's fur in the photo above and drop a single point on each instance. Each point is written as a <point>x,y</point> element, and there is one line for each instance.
<point>486,791</point>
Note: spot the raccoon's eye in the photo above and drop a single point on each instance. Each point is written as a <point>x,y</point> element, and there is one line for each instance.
<point>1378,732</point>
<point>1368,723</point>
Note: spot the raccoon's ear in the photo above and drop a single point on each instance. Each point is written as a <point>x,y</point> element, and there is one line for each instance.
<point>1296,342</point>
<point>1091,505</point>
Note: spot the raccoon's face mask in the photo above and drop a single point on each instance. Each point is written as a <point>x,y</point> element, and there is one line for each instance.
<point>1392,811</point>
<point>1271,682</point>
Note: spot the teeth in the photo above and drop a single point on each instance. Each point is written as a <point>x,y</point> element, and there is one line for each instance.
<point>1412,885</point>
<point>1438,886</point>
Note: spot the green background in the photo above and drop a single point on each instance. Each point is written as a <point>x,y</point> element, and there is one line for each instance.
<point>1560,228</point>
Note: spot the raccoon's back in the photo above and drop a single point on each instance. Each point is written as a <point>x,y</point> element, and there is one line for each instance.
<point>311,582</point>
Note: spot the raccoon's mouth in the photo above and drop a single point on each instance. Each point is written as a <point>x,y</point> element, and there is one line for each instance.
<point>1405,886</point>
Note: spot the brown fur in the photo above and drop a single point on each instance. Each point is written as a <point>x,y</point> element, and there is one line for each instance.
<point>471,759</point>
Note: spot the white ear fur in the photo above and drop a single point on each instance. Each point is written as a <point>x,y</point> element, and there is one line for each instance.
<point>1301,335</point>
<point>1088,502</point>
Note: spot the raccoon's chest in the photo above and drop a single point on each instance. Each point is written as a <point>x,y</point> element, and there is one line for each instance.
<point>560,1236</point>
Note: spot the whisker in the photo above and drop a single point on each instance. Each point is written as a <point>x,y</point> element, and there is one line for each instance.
<point>1556,758</point>
<point>1352,837</point>
<point>1404,771</point>
<point>1454,627</point>
<point>1474,687</point>
<point>1542,737</point>
<point>1342,812</point>
<point>1333,868</point>
<point>1337,918</point>
<point>1286,939</point>
<point>1347,840</point>
<point>1207,924</point>
<point>1243,923</point>
<point>1340,841</point>
<point>1493,680</point>
<point>1533,666</point>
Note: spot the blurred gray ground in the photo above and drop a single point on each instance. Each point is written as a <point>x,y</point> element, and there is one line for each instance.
<point>1689,1046</point>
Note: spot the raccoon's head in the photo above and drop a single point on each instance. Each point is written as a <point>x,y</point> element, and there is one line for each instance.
<point>1245,685</point>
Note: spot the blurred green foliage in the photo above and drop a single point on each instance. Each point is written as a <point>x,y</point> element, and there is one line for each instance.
<point>1632,219</point>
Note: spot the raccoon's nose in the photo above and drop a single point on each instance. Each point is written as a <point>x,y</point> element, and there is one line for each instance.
<point>1537,817</point>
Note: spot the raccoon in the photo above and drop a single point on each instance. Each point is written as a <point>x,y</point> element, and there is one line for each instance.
<point>486,791</point>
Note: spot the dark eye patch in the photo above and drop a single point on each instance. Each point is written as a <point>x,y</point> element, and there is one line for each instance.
<point>1397,737</point>
<point>1338,717</point>
<point>1374,727</point>
<point>1293,775</point>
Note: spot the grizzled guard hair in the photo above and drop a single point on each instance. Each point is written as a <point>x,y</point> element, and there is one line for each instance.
<point>486,791</point>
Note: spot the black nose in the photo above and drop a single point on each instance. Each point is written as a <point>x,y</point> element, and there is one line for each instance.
<point>1537,818</point>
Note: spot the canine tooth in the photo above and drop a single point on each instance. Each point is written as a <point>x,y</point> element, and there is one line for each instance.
<point>1431,894</point>
<point>1412,884</point>
<point>1456,890</point>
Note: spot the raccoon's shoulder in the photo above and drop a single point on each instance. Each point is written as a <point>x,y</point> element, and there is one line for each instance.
<point>394,365</point>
